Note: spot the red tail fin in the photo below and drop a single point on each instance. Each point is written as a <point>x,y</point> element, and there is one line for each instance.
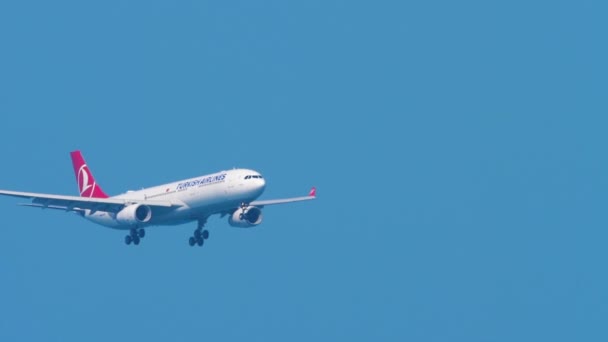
<point>86,183</point>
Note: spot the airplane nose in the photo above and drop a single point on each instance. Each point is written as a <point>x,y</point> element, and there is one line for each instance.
<point>262,183</point>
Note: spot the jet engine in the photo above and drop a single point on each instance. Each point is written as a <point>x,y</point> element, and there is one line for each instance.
<point>134,214</point>
<point>246,218</point>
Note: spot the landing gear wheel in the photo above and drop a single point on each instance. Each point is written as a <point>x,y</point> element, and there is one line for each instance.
<point>136,240</point>
<point>128,239</point>
<point>200,235</point>
<point>141,232</point>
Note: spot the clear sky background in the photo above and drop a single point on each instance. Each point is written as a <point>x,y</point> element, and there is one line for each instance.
<point>458,148</point>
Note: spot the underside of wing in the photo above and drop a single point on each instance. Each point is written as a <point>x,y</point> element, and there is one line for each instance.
<point>78,204</point>
<point>311,195</point>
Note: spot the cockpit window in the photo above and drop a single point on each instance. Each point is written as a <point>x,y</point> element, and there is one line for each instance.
<point>253,176</point>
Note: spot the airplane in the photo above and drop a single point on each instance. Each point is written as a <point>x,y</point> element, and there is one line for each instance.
<point>231,193</point>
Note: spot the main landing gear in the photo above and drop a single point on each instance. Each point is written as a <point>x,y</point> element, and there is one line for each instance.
<point>199,236</point>
<point>135,235</point>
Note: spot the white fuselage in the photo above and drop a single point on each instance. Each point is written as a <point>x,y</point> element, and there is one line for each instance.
<point>198,198</point>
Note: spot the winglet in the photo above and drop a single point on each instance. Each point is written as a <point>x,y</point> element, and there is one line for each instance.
<point>313,192</point>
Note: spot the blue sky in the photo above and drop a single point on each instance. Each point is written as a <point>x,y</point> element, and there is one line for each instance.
<point>457,147</point>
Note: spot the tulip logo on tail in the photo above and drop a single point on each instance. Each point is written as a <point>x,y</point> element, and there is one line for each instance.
<point>86,183</point>
<point>84,175</point>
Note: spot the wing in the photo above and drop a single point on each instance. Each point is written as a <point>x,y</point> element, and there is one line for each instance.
<point>78,204</point>
<point>311,195</point>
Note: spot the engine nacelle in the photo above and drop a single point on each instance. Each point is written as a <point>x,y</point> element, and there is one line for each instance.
<point>250,217</point>
<point>134,214</point>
